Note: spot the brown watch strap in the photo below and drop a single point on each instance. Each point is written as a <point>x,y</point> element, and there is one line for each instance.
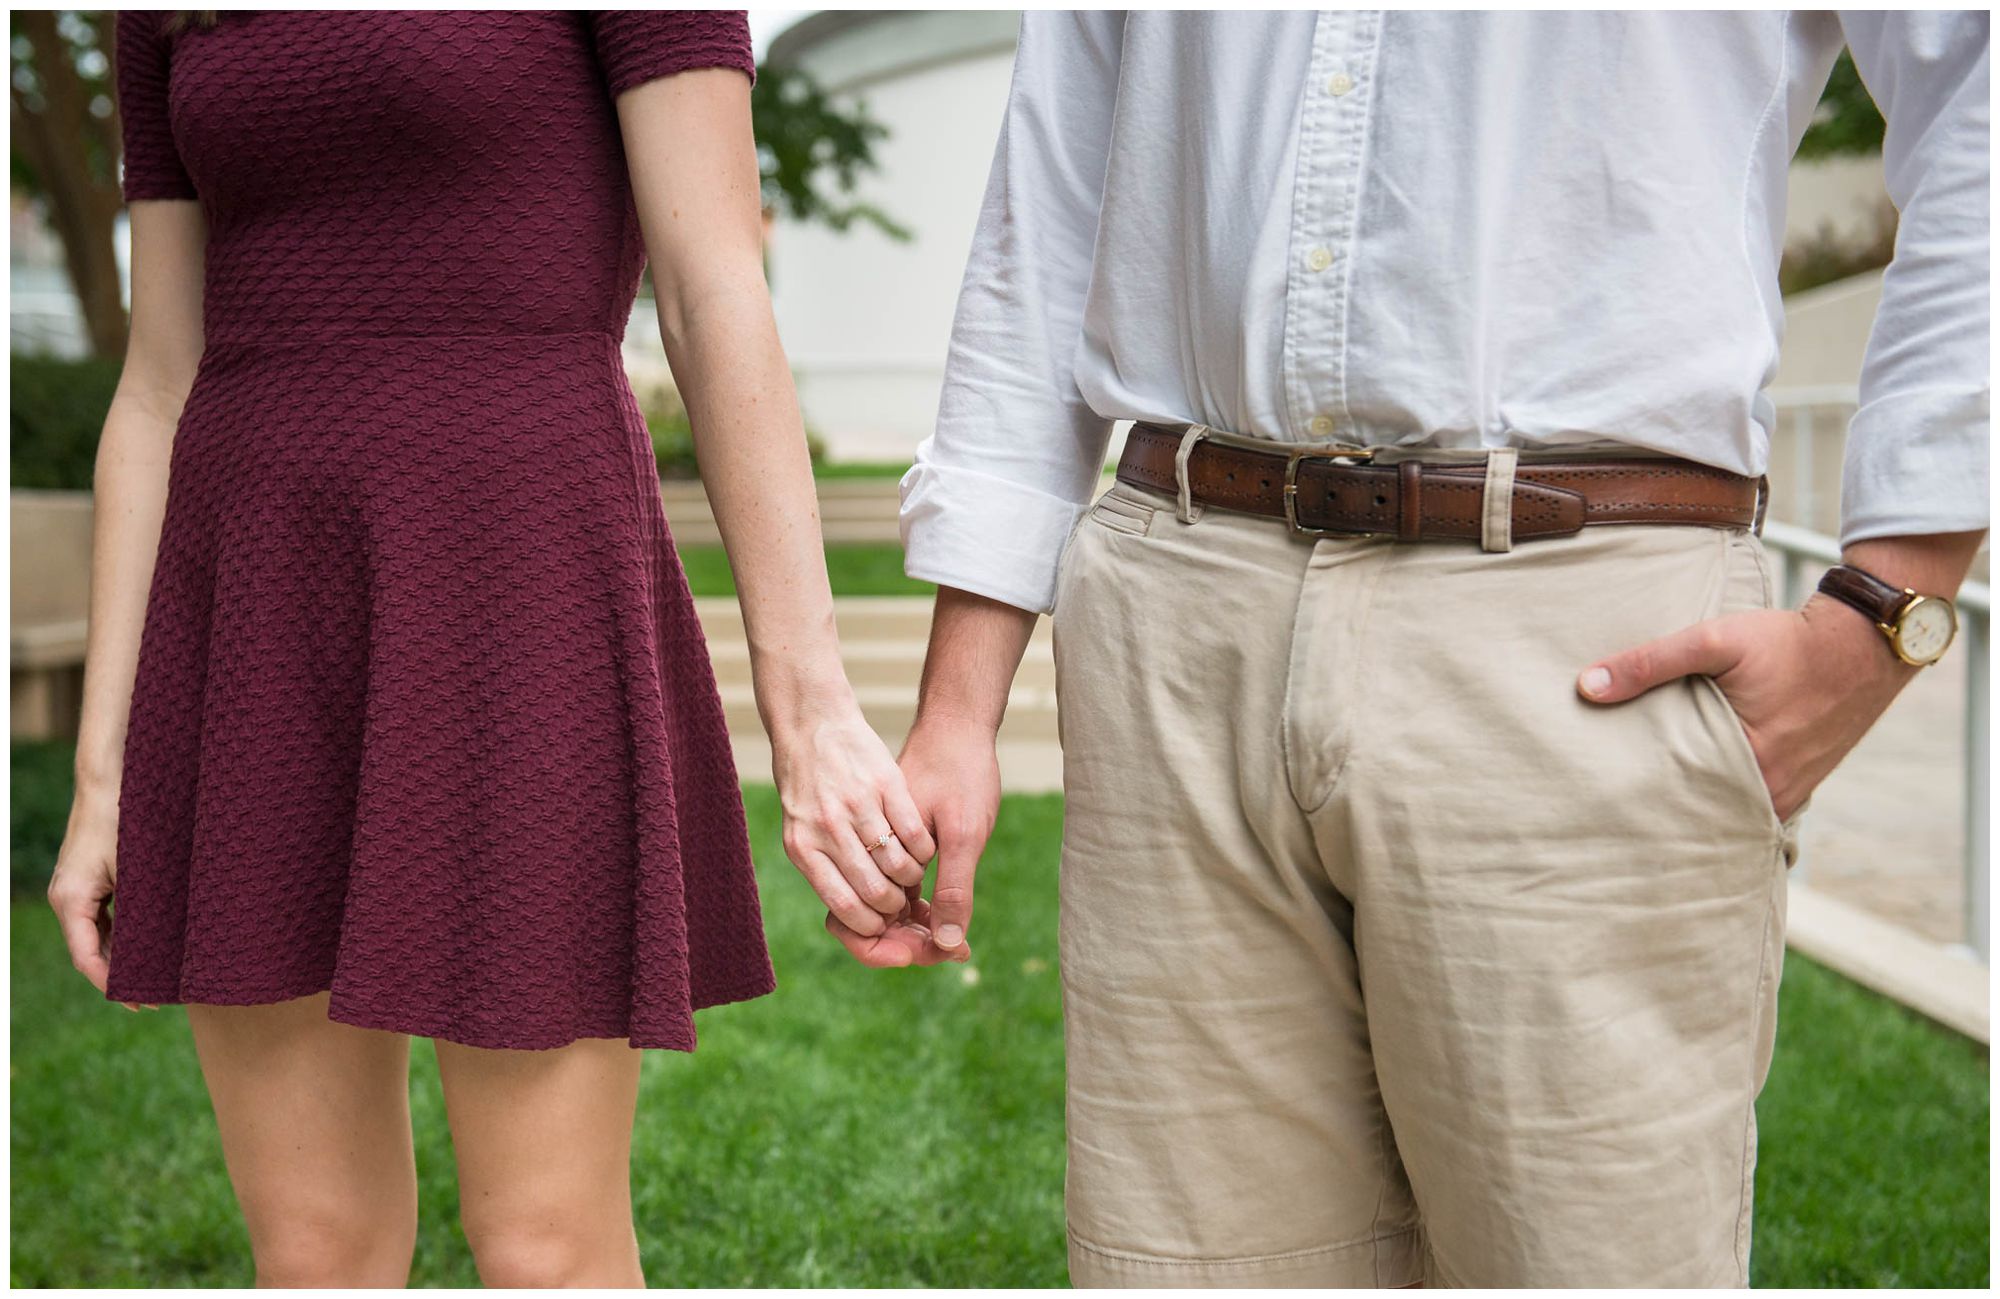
<point>1877,600</point>
<point>1414,500</point>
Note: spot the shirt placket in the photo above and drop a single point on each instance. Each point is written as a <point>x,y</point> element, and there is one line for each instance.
<point>1335,104</point>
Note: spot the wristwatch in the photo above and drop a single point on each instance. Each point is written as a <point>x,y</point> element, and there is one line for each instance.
<point>1920,628</point>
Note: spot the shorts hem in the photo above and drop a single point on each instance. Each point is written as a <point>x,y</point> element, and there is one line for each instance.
<point>1383,1261</point>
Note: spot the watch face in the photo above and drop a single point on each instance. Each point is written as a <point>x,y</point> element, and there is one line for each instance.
<point>1925,630</point>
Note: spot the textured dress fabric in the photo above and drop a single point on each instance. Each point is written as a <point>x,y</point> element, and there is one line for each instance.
<point>424,716</point>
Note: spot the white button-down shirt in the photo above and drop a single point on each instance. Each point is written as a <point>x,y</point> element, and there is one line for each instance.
<point>1460,230</point>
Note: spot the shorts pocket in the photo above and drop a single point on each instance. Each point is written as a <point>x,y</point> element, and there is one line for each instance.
<point>1727,728</point>
<point>1745,585</point>
<point>1122,511</point>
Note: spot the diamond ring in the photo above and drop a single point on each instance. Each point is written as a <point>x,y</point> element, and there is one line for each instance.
<point>882,842</point>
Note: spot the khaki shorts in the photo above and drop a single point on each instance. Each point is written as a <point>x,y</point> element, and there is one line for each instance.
<point>1385,957</point>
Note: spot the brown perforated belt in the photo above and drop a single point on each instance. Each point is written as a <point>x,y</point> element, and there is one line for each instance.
<point>1413,500</point>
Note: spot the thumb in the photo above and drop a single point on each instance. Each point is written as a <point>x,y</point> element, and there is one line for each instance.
<point>951,900</point>
<point>1705,649</point>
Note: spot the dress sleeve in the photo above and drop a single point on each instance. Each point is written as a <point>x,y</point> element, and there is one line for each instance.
<point>153,167</point>
<point>640,45</point>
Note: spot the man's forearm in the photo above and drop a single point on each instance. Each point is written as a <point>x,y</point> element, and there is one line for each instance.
<point>1934,564</point>
<point>1931,564</point>
<point>975,648</point>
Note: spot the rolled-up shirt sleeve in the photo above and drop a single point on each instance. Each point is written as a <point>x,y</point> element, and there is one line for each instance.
<point>997,488</point>
<point>1918,446</point>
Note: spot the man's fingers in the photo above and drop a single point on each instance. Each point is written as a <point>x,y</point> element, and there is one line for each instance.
<point>898,946</point>
<point>1706,649</point>
<point>81,930</point>
<point>951,900</point>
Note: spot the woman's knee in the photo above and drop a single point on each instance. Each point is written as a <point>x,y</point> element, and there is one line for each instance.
<point>516,1250</point>
<point>334,1249</point>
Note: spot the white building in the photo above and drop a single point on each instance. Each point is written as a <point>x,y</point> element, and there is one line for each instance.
<point>864,318</point>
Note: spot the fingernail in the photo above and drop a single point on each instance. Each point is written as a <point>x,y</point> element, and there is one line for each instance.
<point>1596,681</point>
<point>949,936</point>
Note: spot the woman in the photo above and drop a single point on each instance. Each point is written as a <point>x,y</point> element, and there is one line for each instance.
<point>423,736</point>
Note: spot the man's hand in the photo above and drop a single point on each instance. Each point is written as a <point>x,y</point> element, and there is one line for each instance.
<point>954,777</point>
<point>952,770</point>
<point>1806,685</point>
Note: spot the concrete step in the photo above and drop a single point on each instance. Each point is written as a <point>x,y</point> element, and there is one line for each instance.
<point>897,663</point>
<point>852,511</point>
<point>1031,712</point>
<point>857,617</point>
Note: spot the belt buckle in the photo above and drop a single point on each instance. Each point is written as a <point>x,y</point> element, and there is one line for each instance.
<point>1359,456</point>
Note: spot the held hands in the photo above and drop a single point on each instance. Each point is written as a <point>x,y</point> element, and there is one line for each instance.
<point>953,776</point>
<point>1806,685</point>
<point>842,797</point>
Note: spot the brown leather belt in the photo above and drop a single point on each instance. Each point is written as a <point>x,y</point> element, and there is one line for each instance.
<point>1412,500</point>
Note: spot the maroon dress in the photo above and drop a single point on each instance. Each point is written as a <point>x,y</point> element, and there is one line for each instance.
<point>423,715</point>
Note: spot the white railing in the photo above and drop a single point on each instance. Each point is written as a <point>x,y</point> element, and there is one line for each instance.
<point>1800,550</point>
<point>1807,446</point>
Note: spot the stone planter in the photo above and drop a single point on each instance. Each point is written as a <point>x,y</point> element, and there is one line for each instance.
<point>50,603</point>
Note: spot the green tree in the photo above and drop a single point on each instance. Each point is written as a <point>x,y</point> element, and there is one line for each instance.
<point>65,151</point>
<point>1846,121</point>
<point>803,134</point>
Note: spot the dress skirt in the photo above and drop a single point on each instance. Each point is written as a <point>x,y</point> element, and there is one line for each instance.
<point>424,716</point>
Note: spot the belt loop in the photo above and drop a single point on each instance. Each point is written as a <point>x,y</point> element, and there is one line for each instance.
<point>1763,504</point>
<point>1410,501</point>
<point>1496,531</point>
<point>1186,507</point>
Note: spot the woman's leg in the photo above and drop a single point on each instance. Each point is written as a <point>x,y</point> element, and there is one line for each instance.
<point>315,1121</point>
<point>544,1144</point>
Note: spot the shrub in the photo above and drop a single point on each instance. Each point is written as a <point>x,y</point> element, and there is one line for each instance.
<point>42,784</point>
<point>56,414</point>
<point>673,434</point>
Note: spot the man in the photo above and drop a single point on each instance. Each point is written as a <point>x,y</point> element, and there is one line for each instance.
<point>1430,796</point>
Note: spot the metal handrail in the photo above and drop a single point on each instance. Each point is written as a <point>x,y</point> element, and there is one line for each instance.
<point>1799,547</point>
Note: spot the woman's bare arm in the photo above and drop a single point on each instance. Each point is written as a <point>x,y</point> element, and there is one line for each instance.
<point>694,171</point>
<point>168,238</point>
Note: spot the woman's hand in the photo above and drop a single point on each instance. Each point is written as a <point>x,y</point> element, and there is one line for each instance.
<point>80,890</point>
<point>854,832</point>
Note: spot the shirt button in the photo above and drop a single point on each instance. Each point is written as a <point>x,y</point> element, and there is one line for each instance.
<point>1319,259</point>
<point>1339,84</point>
<point>1322,424</point>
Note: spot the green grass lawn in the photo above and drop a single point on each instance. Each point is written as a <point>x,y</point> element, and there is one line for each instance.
<point>900,1128</point>
<point>891,469</point>
<point>857,568</point>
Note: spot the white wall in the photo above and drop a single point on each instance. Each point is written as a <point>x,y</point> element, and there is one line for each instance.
<point>865,319</point>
